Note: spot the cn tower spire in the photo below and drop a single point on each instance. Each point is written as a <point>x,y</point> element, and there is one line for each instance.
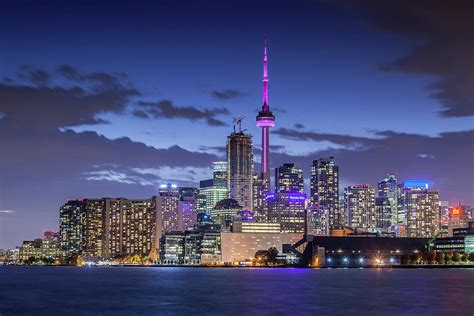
<point>265,106</point>
<point>265,119</point>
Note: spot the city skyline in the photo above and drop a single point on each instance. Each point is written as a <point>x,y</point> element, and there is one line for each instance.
<point>74,113</point>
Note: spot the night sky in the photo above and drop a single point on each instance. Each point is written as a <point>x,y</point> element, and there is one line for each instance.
<point>113,99</point>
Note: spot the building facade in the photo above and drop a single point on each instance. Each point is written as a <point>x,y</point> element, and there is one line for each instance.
<point>359,204</point>
<point>289,178</point>
<point>419,209</point>
<point>386,202</point>
<point>324,190</point>
<point>288,209</point>
<point>71,228</point>
<point>240,168</point>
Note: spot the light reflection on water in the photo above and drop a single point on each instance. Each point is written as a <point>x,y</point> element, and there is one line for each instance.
<point>149,291</point>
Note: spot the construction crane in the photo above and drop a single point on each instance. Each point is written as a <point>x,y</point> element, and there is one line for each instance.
<point>239,120</point>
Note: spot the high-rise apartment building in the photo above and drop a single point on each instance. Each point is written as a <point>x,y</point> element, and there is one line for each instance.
<point>289,178</point>
<point>71,228</point>
<point>359,204</point>
<point>419,208</point>
<point>166,203</point>
<point>94,228</point>
<point>324,190</point>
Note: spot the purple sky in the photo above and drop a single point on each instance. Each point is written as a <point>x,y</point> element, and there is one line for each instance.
<point>113,99</point>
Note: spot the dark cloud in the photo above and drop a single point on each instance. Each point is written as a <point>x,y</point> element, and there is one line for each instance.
<point>166,109</point>
<point>313,136</point>
<point>226,94</point>
<point>299,126</point>
<point>445,29</point>
<point>140,114</point>
<point>104,78</point>
<point>36,76</point>
<point>45,108</point>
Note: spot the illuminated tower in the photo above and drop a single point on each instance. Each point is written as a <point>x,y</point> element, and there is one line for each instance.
<point>265,120</point>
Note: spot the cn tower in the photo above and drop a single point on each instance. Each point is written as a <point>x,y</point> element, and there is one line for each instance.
<point>265,120</point>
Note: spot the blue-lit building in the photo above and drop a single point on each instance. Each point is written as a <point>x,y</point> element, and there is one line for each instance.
<point>288,209</point>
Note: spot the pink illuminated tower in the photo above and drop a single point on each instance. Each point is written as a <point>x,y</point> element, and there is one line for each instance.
<point>265,120</point>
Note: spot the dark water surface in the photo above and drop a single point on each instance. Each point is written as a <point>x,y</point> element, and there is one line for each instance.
<point>231,291</point>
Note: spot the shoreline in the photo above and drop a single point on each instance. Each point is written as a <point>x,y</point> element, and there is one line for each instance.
<point>464,266</point>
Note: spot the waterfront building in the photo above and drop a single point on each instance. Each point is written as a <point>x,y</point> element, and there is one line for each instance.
<point>139,228</point>
<point>240,168</point>
<point>172,248</point>
<point>386,202</point>
<point>41,249</point>
<point>51,245</point>
<point>71,228</point>
<point>359,204</point>
<point>94,228</point>
<point>31,249</point>
<point>419,208</point>
<point>324,190</point>
<point>458,218</point>
<point>461,241</point>
<point>288,209</point>
<point>317,221</point>
<point>360,251</point>
<point>211,244</point>
<point>289,178</point>
<point>238,247</point>
<point>192,246</point>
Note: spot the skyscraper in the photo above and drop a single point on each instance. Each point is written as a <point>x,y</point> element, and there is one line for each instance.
<point>240,168</point>
<point>71,227</point>
<point>386,202</point>
<point>359,203</point>
<point>419,208</point>
<point>166,203</point>
<point>324,190</point>
<point>289,178</point>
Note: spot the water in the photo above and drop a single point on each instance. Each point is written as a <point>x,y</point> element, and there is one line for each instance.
<point>216,291</point>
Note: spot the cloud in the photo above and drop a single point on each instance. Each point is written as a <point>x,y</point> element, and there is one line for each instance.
<point>104,78</point>
<point>166,109</point>
<point>43,108</point>
<point>227,94</point>
<point>446,49</point>
<point>36,76</point>
<point>299,126</point>
<point>7,211</point>
<point>299,135</point>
